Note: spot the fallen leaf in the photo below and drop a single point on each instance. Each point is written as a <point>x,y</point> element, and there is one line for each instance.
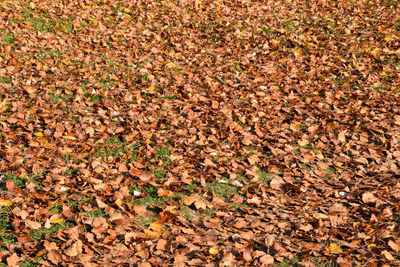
<point>54,256</point>
<point>12,260</point>
<point>369,198</point>
<point>394,246</point>
<point>5,203</point>
<point>267,260</point>
<point>155,227</point>
<point>320,216</point>
<point>140,209</point>
<point>213,251</point>
<point>69,137</point>
<point>57,221</point>
<point>387,255</point>
<point>334,249</point>
<point>75,249</point>
<point>161,244</point>
<point>188,200</point>
<point>33,224</point>
<point>342,137</point>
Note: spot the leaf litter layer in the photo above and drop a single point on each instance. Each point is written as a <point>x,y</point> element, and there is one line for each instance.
<point>200,132</point>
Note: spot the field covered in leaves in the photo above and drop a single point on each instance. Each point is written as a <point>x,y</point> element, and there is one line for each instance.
<point>200,133</point>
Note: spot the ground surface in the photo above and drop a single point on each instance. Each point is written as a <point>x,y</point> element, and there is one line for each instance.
<point>220,132</point>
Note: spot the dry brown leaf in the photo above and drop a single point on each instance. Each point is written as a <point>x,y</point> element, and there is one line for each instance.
<point>75,249</point>
<point>369,198</point>
<point>13,260</point>
<point>54,256</point>
<point>394,246</point>
<point>33,224</point>
<point>267,260</point>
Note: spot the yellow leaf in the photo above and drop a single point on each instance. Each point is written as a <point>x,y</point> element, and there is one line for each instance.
<point>334,249</point>
<point>152,234</point>
<point>320,216</point>
<point>118,202</point>
<point>298,52</point>
<point>213,251</point>
<point>188,200</point>
<point>38,134</point>
<point>69,137</point>
<point>127,10</point>
<point>172,65</point>
<point>155,226</point>
<point>388,38</point>
<point>56,221</point>
<point>93,20</point>
<point>5,203</point>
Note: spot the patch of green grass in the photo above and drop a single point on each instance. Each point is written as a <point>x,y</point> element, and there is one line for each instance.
<point>150,201</point>
<point>168,97</point>
<point>222,190</point>
<point>42,233</point>
<point>8,38</point>
<point>70,171</point>
<point>72,203</point>
<point>187,212</point>
<point>8,238</point>
<point>239,205</point>
<point>93,98</point>
<point>340,80</point>
<point>132,190</point>
<point>30,263</point>
<point>113,147</point>
<point>163,153</point>
<point>306,167</point>
<point>397,26</point>
<point>308,146</point>
<point>265,177</point>
<point>160,173</point>
<point>190,187</point>
<point>288,263</point>
<point>99,213</point>
<point>37,179</point>
<point>388,78</point>
<point>151,190</point>
<point>317,263</point>
<point>18,181</point>
<point>5,80</point>
<point>56,208</point>
<point>146,219</point>
<point>42,25</point>
<point>3,219</point>
<point>208,213</point>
